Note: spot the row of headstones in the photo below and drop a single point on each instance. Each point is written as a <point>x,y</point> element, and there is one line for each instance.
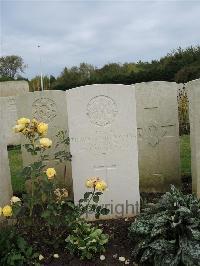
<point>107,124</point>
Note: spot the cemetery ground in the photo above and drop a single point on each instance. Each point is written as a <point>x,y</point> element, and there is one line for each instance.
<point>119,248</point>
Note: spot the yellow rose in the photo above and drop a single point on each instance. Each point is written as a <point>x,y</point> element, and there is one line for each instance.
<point>50,172</point>
<point>14,200</point>
<point>0,211</point>
<point>42,128</point>
<point>27,131</point>
<point>45,142</point>
<point>7,211</point>
<point>101,185</point>
<point>90,183</point>
<point>19,128</point>
<point>23,120</point>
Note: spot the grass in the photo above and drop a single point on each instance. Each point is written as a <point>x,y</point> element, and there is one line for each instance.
<point>15,160</point>
<point>18,181</point>
<point>185,155</point>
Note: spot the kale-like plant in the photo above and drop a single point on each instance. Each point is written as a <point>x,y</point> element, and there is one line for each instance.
<point>86,240</point>
<point>169,232</point>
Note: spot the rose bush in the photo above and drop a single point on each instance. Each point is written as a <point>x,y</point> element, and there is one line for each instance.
<point>47,207</point>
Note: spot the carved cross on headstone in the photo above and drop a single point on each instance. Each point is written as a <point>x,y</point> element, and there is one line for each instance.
<point>103,171</point>
<point>153,133</point>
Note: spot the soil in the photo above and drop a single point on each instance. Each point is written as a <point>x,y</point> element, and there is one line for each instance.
<point>119,244</point>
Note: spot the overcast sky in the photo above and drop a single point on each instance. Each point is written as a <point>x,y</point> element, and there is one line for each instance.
<point>96,32</point>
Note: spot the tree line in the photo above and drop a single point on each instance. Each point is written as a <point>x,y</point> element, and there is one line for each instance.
<point>180,65</point>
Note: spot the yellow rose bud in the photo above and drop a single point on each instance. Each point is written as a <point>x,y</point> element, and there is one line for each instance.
<point>19,128</point>
<point>7,211</point>
<point>14,200</point>
<point>23,120</point>
<point>42,128</point>
<point>50,172</point>
<point>101,185</point>
<point>45,142</point>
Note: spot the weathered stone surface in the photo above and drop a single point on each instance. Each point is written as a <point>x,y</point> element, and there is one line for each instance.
<point>193,89</point>
<point>104,144</point>
<point>11,111</point>
<point>158,135</point>
<point>5,178</point>
<point>13,88</point>
<point>48,107</point>
<point>9,90</point>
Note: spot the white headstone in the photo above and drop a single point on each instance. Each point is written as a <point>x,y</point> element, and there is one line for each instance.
<point>193,89</point>
<point>158,135</point>
<point>103,134</point>
<point>10,90</point>
<point>11,111</point>
<point>13,88</point>
<point>48,107</point>
<point>5,178</point>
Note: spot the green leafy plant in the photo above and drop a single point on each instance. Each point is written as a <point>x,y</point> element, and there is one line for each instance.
<point>169,232</point>
<point>15,250</point>
<point>86,240</point>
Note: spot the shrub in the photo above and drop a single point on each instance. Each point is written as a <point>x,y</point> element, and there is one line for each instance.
<point>46,207</point>
<point>183,111</point>
<point>86,240</point>
<point>169,232</point>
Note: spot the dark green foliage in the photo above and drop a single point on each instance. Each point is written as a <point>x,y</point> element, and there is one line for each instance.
<point>14,250</point>
<point>181,65</point>
<point>11,66</point>
<point>169,232</point>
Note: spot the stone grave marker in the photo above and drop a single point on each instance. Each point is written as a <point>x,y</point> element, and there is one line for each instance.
<point>13,88</point>
<point>10,90</point>
<point>193,89</point>
<point>158,135</point>
<point>48,107</point>
<point>103,135</point>
<point>5,177</point>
